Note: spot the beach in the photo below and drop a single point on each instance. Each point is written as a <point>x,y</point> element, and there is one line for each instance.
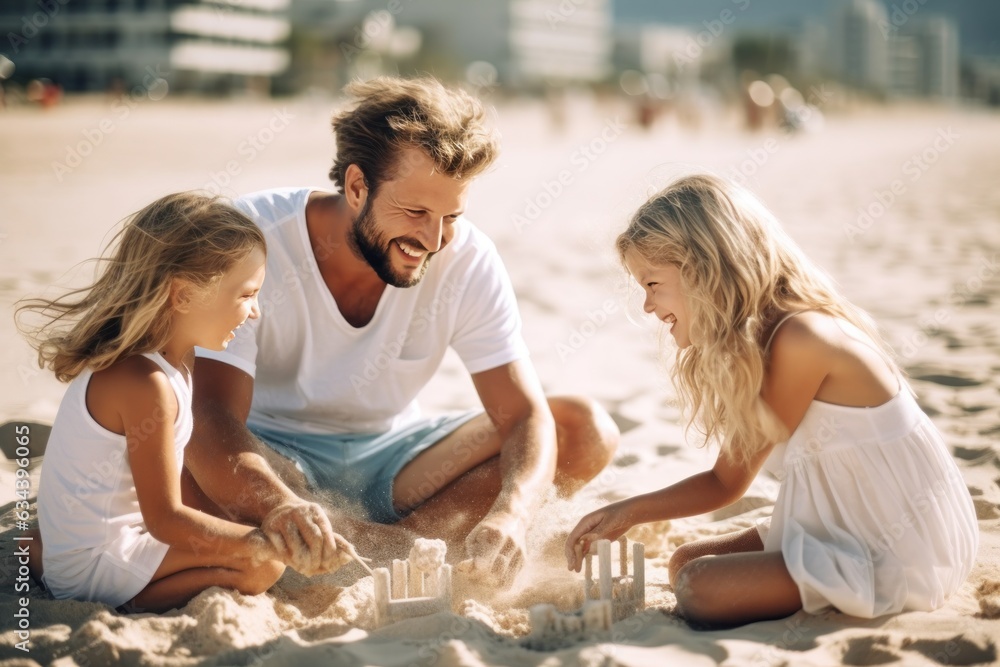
<point>899,204</point>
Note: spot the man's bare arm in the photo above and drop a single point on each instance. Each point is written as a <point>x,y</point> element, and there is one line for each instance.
<point>512,397</point>
<point>228,464</point>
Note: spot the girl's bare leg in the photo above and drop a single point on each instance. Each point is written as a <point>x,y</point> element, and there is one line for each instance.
<point>744,540</point>
<point>736,588</point>
<point>730,580</point>
<point>184,574</point>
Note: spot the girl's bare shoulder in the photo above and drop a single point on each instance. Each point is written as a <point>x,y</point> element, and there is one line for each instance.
<point>854,372</point>
<point>128,388</point>
<point>807,333</point>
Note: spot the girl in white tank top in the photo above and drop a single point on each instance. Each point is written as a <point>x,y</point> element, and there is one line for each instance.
<point>185,271</point>
<point>873,516</point>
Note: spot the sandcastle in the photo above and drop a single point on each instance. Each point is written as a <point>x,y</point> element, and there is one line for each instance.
<point>547,623</point>
<point>627,594</point>
<point>612,599</point>
<point>419,585</point>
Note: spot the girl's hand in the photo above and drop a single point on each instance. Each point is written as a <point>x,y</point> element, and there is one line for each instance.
<point>303,537</point>
<point>261,549</point>
<point>607,523</point>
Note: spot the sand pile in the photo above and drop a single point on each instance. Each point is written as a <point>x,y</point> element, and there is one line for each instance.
<point>927,267</point>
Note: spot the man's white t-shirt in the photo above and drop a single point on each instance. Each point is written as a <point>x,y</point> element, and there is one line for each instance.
<point>315,373</point>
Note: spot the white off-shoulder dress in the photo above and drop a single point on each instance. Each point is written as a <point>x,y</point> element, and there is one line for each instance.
<point>872,516</point>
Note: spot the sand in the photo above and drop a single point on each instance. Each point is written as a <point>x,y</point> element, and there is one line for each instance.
<point>922,258</point>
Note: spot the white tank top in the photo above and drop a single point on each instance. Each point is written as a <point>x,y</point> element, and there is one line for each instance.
<point>86,496</point>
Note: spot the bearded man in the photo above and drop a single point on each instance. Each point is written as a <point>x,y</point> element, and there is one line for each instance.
<point>307,423</point>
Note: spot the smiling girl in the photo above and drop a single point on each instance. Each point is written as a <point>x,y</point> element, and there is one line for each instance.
<point>773,363</point>
<point>186,272</point>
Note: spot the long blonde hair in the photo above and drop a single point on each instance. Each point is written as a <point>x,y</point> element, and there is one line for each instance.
<point>740,272</point>
<point>127,310</point>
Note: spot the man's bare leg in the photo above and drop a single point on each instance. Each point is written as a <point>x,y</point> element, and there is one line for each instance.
<point>454,484</point>
<point>453,512</point>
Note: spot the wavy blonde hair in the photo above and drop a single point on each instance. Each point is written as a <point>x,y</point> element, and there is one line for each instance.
<point>740,272</point>
<point>127,310</point>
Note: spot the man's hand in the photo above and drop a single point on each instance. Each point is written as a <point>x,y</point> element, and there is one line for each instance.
<point>304,539</point>
<point>496,549</point>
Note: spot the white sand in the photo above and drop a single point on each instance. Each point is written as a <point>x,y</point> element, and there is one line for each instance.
<point>926,268</point>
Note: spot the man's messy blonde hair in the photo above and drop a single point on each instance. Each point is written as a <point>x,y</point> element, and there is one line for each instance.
<point>388,114</point>
<point>740,272</point>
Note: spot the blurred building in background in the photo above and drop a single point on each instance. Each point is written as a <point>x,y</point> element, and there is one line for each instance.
<point>981,80</point>
<point>859,45</point>
<point>102,44</point>
<point>520,44</point>
<point>671,53</point>
<point>930,49</point>
<point>895,53</point>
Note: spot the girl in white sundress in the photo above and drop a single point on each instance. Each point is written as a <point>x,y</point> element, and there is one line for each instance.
<point>872,516</point>
<point>116,526</point>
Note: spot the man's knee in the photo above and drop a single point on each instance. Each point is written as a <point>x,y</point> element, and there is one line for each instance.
<point>588,436</point>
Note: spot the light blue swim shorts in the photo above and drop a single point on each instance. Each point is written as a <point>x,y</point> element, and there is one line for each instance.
<point>361,468</point>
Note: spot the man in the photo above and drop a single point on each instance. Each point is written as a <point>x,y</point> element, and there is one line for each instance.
<point>366,289</point>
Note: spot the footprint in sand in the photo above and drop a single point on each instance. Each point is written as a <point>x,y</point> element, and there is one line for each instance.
<point>988,594</point>
<point>993,430</point>
<point>985,510</point>
<point>974,455</point>
<point>626,460</point>
<point>869,651</point>
<point>949,380</point>
<point>958,650</point>
<point>667,450</point>
<point>624,423</point>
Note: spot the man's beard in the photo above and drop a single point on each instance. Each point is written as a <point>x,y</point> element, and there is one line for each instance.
<point>371,246</point>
